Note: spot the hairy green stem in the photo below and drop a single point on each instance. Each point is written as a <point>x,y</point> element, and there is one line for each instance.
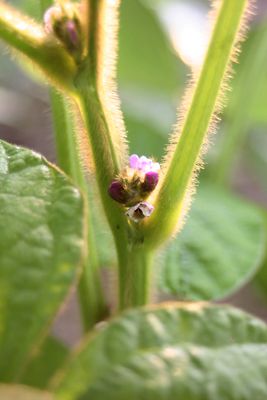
<point>92,303</point>
<point>104,158</point>
<point>106,155</point>
<point>65,146</point>
<point>134,259</point>
<point>169,205</point>
<point>137,277</point>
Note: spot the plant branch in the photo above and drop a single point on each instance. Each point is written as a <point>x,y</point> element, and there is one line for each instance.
<point>137,277</point>
<point>183,159</point>
<point>92,303</point>
<point>93,307</point>
<point>100,110</point>
<point>29,38</point>
<point>102,132</point>
<point>106,167</point>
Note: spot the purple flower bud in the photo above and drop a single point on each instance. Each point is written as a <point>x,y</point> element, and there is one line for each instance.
<point>117,192</point>
<point>140,211</point>
<point>63,21</point>
<point>71,28</point>
<point>150,181</point>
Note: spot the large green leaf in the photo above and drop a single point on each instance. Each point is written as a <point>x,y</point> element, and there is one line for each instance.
<point>219,249</point>
<point>41,246</point>
<point>19,392</point>
<point>179,351</point>
<point>45,363</point>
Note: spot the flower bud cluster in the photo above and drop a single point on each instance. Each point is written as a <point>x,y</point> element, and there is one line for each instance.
<point>63,21</point>
<point>134,185</point>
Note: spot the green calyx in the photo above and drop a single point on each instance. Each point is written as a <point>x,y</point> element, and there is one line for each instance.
<point>64,22</point>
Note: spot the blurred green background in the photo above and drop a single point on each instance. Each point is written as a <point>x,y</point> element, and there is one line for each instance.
<point>161,41</point>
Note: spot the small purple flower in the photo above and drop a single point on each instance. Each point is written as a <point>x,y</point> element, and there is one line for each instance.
<point>117,192</point>
<point>139,211</point>
<point>135,184</point>
<point>143,164</point>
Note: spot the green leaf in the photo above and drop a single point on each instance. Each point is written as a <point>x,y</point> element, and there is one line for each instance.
<point>175,351</point>
<point>41,246</point>
<point>19,392</point>
<point>50,357</point>
<point>66,133</point>
<point>219,249</point>
<point>104,242</point>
